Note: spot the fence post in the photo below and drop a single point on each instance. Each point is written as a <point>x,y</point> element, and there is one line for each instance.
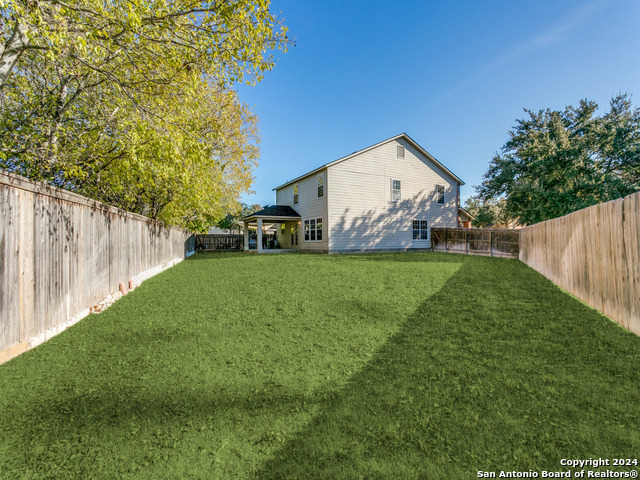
<point>446,234</point>
<point>491,243</point>
<point>466,242</point>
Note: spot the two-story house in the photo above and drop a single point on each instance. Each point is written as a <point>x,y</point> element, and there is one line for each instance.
<point>383,198</point>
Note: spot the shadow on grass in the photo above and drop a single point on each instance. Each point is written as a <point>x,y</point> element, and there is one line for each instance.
<point>168,373</point>
<point>498,370</point>
<point>144,427</point>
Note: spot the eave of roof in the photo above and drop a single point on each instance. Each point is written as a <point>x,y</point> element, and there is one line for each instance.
<point>466,213</point>
<point>342,159</point>
<point>278,212</point>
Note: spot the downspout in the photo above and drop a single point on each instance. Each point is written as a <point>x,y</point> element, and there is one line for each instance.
<point>328,219</point>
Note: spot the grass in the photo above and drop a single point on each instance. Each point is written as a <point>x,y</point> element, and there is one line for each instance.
<point>313,366</point>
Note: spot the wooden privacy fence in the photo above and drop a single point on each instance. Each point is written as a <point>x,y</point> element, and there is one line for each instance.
<point>594,254</point>
<point>61,253</point>
<point>219,243</point>
<point>491,242</point>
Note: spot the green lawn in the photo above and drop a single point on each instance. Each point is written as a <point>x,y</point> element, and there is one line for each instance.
<point>418,365</point>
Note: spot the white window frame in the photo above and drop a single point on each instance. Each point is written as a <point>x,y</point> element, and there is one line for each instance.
<point>422,230</point>
<point>320,186</point>
<point>296,191</point>
<point>396,191</point>
<point>310,229</point>
<point>439,195</point>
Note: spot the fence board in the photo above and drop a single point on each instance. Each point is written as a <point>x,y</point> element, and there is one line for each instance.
<point>60,253</point>
<point>594,254</point>
<point>476,241</point>
<point>219,242</point>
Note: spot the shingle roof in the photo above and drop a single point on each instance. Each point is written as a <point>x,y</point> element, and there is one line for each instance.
<point>275,211</point>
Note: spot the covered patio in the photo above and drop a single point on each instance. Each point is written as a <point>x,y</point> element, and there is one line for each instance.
<point>287,222</point>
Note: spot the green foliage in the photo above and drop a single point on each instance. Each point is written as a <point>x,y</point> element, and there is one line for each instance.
<point>488,212</point>
<point>356,371</point>
<point>132,103</point>
<point>231,221</point>
<point>189,172</point>
<point>144,44</point>
<point>556,162</point>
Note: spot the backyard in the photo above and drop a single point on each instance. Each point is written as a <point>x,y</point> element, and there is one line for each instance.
<point>313,366</point>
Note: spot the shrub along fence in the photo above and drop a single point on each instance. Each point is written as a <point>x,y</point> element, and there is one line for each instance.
<point>491,242</point>
<point>62,253</point>
<point>594,254</point>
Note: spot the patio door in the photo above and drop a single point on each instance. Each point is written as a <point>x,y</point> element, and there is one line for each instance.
<point>294,234</point>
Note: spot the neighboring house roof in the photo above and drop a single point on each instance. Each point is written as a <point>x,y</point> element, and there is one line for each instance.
<point>280,211</point>
<point>401,135</point>
<point>217,231</point>
<point>466,213</point>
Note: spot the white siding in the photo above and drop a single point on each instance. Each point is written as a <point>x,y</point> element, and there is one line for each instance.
<point>308,206</point>
<point>361,213</point>
<point>285,239</point>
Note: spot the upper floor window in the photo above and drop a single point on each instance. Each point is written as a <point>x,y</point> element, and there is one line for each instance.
<point>440,194</point>
<point>320,186</point>
<point>400,151</point>
<point>396,193</point>
<point>295,193</point>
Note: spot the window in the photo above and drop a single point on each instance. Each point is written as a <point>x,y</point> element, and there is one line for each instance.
<point>295,194</point>
<point>283,228</point>
<point>400,151</point>
<point>420,230</point>
<point>320,186</point>
<point>440,194</point>
<point>313,230</point>
<point>395,191</point>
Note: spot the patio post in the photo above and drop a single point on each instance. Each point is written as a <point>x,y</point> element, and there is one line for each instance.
<point>246,236</point>
<point>259,235</point>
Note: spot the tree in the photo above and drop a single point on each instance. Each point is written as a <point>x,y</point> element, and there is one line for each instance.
<point>155,38</point>
<point>249,209</point>
<point>488,212</point>
<point>189,168</point>
<point>131,102</point>
<point>231,221</point>
<point>556,162</point>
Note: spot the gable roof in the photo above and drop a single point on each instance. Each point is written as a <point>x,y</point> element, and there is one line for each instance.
<point>274,211</point>
<point>466,213</point>
<point>401,135</point>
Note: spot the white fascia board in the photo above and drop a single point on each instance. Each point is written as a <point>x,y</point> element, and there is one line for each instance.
<point>402,135</point>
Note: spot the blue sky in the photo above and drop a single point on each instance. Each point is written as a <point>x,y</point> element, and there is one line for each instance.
<point>454,75</point>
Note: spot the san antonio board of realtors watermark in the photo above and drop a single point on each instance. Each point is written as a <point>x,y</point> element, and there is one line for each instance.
<point>591,468</point>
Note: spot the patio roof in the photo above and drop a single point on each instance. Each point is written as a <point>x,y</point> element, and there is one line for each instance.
<point>274,212</point>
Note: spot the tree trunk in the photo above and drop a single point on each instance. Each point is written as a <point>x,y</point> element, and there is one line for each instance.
<point>52,140</point>
<point>11,52</point>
